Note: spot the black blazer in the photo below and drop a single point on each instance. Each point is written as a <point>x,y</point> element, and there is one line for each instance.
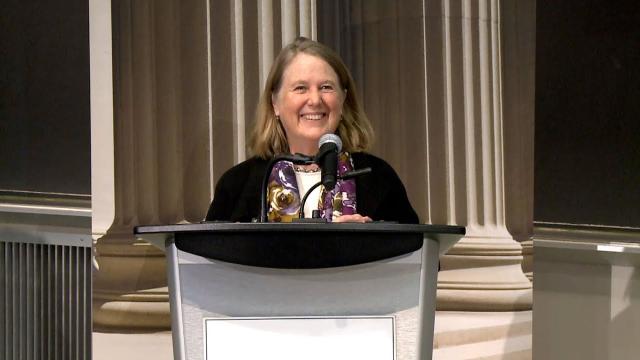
<point>379,194</point>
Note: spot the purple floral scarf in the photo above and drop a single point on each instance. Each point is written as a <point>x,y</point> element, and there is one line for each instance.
<point>284,197</point>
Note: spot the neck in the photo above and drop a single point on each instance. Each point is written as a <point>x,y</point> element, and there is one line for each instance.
<point>306,149</point>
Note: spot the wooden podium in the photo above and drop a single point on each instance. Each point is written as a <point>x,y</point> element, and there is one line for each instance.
<point>316,287</point>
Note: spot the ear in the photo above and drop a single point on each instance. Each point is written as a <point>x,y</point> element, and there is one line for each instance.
<point>344,96</point>
<point>274,103</point>
<point>342,101</point>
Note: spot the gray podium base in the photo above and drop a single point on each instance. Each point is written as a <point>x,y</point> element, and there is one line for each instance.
<point>403,287</point>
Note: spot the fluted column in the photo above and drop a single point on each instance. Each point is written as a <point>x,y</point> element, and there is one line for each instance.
<point>186,78</point>
<point>431,73</point>
<point>483,271</point>
<point>519,62</point>
<point>156,156</point>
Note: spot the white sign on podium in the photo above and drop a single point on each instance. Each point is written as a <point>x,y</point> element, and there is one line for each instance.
<point>294,338</point>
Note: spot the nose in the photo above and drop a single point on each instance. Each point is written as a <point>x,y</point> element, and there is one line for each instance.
<point>315,97</point>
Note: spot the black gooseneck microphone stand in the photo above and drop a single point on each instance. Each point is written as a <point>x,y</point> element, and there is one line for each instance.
<point>346,176</point>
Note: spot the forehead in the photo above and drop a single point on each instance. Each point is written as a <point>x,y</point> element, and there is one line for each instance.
<point>305,67</point>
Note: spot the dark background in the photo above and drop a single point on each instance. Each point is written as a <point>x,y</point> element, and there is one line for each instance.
<point>587,122</point>
<point>44,97</point>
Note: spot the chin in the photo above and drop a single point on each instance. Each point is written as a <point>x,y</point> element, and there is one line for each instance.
<point>315,134</point>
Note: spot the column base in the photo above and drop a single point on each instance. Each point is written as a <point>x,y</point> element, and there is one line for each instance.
<point>130,287</point>
<point>527,261</point>
<point>147,310</point>
<point>483,273</point>
<point>484,300</point>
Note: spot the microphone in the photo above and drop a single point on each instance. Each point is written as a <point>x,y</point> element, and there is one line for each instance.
<point>327,158</point>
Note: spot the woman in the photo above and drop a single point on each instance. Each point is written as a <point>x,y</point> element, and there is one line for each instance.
<point>309,92</point>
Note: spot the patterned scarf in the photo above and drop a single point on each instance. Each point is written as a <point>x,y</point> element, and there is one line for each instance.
<point>284,197</point>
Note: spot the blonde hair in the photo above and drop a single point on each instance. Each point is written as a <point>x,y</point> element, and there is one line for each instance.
<point>268,137</point>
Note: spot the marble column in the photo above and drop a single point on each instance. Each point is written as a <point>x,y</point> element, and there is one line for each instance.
<point>519,62</point>
<point>483,271</point>
<point>452,102</point>
<point>150,157</point>
<point>168,117</point>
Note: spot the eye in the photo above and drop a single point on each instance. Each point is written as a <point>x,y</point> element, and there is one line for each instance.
<point>327,88</point>
<point>299,88</point>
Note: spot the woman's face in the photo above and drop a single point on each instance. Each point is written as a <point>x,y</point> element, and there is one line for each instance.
<point>309,102</point>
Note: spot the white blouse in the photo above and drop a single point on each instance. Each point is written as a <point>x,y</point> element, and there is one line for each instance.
<point>305,181</point>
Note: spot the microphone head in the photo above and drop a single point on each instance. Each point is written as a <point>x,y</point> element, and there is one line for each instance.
<point>330,138</point>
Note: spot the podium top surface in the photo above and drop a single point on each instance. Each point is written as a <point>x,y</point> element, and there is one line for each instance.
<point>372,227</point>
<point>299,245</point>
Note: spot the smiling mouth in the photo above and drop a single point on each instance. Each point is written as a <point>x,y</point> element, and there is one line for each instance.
<point>316,116</point>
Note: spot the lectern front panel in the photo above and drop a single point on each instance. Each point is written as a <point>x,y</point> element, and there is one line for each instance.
<point>211,288</point>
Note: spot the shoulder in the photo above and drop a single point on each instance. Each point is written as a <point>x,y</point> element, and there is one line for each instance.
<point>381,194</point>
<point>382,173</point>
<point>244,177</point>
<point>244,170</point>
<point>363,159</point>
<point>247,165</point>
<point>237,192</point>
